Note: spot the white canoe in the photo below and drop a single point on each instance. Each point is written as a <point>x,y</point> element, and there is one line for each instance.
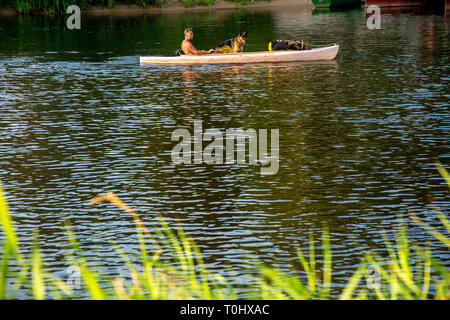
<point>317,54</point>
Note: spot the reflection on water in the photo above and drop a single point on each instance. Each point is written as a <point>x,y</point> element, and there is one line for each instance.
<point>80,117</point>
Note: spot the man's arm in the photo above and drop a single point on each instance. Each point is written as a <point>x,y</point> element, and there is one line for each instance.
<point>189,49</point>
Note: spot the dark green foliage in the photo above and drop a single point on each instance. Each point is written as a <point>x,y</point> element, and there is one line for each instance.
<point>60,6</point>
<point>204,2</point>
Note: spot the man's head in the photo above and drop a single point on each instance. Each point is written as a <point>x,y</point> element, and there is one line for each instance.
<point>188,34</point>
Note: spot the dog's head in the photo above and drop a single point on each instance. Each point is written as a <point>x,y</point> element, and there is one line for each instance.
<point>242,37</point>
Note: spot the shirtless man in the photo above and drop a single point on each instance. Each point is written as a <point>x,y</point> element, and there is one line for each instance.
<point>188,48</point>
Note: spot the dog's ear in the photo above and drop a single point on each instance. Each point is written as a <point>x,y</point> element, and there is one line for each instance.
<point>244,34</point>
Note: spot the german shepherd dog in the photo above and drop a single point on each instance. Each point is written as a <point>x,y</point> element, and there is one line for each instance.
<point>232,45</point>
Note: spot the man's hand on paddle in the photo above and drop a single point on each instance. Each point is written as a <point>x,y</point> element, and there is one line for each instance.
<point>189,49</point>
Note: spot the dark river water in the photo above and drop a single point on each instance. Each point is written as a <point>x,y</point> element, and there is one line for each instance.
<point>357,136</point>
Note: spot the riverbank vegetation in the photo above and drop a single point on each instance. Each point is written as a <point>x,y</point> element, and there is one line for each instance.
<point>60,6</point>
<point>407,271</point>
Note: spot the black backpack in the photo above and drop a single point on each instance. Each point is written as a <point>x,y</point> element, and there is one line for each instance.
<point>288,45</point>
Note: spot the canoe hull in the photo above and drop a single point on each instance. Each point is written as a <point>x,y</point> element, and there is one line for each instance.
<point>326,53</point>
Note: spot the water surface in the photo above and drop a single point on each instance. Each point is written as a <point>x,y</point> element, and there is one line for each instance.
<point>79,117</point>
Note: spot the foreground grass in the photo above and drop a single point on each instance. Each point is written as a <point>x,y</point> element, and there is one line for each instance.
<point>409,272</point>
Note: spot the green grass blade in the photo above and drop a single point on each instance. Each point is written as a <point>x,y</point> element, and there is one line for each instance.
<point>445,240</point>
<point>4,270</point>
<point>88,277</point>
<point>203,275</point>
<point>349,290</point>
<point>37,276</point>
<point>20,279</point>
<point>426,274</point>
<point>312,261</point>
<point>443,219</point>
<point>326,264</point>
<point>175,244</point>
<point>61,286</point>
<point>403,250</point>
<point>389,247</point>
<point>309,274</point>
<point>91,283</point>
<point>444,173</point>
<point>7,225</point>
